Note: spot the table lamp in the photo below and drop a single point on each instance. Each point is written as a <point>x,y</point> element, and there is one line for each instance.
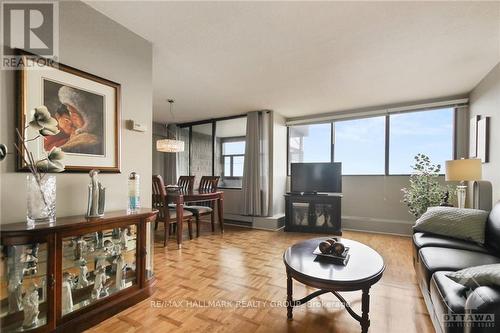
<point>463,170</point>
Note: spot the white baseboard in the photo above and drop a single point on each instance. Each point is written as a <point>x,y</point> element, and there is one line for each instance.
<point>356,223</point>
<point>274,223</point>
<point>376,225</point>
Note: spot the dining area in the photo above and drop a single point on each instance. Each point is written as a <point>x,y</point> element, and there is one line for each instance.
<point>182,203</point>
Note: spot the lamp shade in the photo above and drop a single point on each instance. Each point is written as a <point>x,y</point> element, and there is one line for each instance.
<point>170,146</point>
<point>463,170</point>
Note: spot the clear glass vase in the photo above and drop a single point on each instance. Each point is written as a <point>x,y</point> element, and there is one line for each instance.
<point>41,199</point>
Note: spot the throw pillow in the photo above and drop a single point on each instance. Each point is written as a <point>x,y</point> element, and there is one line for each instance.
<point>461,223</point>
<point>477,276</point>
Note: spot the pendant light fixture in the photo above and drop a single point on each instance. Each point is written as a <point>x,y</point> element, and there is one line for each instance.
<point>170,145</point>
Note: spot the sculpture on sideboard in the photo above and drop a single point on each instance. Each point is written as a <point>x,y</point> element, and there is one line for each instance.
<point>96,197</point>
<point>15,292</point>
<point>124,239</point>
<point>80,246</point>
<point>82,276</point>
<point>29,259</point>
<point>67,297</point>
<point>15,277</point>
<point>99,240</point>
<point>100,289</point>
<point>30,306</point>
<point>101,262</point>
<point>108,247</point>
<point>120,272</point>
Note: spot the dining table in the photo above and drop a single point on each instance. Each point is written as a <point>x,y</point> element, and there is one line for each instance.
<point>180,197</point>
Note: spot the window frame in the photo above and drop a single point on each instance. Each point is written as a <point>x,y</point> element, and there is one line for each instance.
<point>212,121</point>
<point>231,156</point>
<point>387,139</point>
<point>453,137</point>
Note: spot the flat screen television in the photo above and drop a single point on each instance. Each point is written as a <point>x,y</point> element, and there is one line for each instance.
<point>316,177</point>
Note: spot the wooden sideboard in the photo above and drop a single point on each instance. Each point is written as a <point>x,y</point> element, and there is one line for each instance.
<point>79,270</point>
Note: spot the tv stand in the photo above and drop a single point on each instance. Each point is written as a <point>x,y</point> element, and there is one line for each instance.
<point>308,193</point>
<point>313,212</point>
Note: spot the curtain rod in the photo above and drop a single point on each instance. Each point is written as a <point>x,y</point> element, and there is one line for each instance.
<point>378,112</point>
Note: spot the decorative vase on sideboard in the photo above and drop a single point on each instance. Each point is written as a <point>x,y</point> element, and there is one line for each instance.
<point>41,199</point>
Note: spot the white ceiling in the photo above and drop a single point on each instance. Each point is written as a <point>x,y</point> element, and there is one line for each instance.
<point>298,58</point>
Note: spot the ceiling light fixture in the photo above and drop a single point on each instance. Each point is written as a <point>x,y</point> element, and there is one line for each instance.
<point>170,145</point>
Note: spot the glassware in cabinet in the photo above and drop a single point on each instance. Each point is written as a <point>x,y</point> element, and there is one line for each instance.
<point>97,265</point>
<point>23,286</point>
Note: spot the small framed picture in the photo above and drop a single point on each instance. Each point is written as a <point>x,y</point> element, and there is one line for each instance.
<point>87,110</point>
<point>483,139</point>
<point>473,136</point>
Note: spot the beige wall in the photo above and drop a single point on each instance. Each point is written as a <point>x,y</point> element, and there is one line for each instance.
<point>94,43</point>
<point>278,166</point>
<point>485,101</point>
<point>374,203</point>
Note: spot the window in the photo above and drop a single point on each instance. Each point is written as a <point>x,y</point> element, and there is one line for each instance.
<point>214,147</point>
<point>360,146</point>
<point>429,132</point>
<point>230,151</point>
<point>310,143</point>
<point>233,154</point>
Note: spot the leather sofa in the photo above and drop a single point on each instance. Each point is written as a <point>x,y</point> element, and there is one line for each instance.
<point>454,308</point>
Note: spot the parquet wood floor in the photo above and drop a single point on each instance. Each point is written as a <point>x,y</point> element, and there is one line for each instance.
<point>243,275</point>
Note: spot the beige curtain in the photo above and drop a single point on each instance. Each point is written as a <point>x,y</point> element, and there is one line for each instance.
<point>255,184</point>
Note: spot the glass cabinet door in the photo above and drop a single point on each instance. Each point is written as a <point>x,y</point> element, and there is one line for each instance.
<point>150,245</point>
<point>300,213</point>
<point>97,265</point>
<point>23,285</point>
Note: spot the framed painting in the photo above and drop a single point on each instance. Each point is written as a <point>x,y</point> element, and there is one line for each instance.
<point>87,110</point>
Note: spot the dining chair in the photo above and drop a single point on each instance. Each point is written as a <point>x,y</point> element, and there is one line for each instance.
<point>186,183</point>
<point>166,214</point>
<point>207,184</point>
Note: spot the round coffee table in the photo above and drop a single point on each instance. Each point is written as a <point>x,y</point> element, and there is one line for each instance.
<point>365,268</point>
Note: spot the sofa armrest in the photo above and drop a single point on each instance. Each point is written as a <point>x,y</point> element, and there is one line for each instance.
<point>482,309</point>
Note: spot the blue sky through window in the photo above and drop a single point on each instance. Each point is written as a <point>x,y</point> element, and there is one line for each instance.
<point>310,143</point>
<point>360,146</point>
<point>429,132</point>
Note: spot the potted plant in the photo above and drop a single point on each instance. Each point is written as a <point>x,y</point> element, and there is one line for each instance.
<point>424,190</point>
<point>41,186</point>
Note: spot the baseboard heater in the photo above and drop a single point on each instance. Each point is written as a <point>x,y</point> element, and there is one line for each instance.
<point>275,222</point>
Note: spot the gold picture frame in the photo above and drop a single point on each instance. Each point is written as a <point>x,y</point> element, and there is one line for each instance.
<point>87,107</point>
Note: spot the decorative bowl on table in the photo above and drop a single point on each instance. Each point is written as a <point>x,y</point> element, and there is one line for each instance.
<point>334,250</point>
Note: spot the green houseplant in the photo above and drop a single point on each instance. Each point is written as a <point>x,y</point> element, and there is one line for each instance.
<point>424,189</point>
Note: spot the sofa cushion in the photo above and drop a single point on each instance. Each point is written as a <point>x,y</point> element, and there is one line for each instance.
<point>476,276</point>
<point>421,240</point>
<point>173,213</point>
<point>461,223</point>
<point>448,298</point>
<point>434,259</point>
<point>492,236</point>
<point>197,210</point>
